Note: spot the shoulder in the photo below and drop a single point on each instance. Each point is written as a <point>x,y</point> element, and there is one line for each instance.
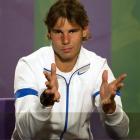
<point>38,56</point>
<point>93,57</point>
<point>37,60</point>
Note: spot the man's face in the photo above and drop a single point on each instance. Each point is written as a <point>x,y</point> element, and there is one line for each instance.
<point>66,40</point>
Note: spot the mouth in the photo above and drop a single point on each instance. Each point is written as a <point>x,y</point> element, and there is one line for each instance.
<point>66,50</point>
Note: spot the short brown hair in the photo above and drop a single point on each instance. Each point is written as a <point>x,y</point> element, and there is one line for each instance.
<point>72,10</point>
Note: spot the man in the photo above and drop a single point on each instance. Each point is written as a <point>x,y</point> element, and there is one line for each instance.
<point>57,87</point>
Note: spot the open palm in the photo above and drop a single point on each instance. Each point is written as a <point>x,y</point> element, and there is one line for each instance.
<point>108,91</point>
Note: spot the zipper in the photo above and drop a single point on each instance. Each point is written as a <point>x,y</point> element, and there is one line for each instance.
<point>67,97</point>
<point>67,110</point>
<point>67,103</point>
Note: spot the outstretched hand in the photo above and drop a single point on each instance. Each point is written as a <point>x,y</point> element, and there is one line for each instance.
<point>108,92</point>
<point>52,83</point>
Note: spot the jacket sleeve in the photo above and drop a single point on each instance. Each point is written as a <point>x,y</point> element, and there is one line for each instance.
<point>30,114</point>
<point>117,123</point>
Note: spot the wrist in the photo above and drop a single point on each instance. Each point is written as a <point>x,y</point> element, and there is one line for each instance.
<point>109,108</point>
<point>47,99</point>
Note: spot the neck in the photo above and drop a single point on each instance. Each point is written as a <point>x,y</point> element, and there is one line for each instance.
<point>65,66</point>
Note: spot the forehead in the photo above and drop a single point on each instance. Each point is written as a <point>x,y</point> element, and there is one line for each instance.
<point>64,23</point>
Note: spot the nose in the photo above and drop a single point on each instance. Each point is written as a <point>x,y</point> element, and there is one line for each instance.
<point>65,38</point>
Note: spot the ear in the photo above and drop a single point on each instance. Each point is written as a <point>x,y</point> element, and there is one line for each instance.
<point>85,32</point>
<point>49,36</point>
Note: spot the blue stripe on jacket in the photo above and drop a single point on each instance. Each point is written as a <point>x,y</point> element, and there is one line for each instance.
<point>97,93</point>
<point>24,92</point>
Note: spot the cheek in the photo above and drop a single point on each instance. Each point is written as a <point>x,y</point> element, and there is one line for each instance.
<point>55,39</point>
<point>77,46</point>
<point>77,40</point>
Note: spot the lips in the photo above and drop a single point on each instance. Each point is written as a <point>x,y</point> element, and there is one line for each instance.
<point>66,50</point>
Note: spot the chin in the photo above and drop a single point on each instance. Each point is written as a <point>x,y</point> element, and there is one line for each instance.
<point>66,59</point>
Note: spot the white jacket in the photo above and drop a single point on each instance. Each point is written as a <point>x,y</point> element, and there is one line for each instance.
<point>70,118</point>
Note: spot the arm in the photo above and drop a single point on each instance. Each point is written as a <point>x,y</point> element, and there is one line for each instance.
<point>50,94</point>
<point>108,92</point>
<point>116,120</point>
<point>109,103</point>
<point>31,115</point>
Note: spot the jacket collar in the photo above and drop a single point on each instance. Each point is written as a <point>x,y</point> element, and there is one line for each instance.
<point>83,63</point>
<point>81,66</point>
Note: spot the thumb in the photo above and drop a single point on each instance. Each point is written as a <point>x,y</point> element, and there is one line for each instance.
<point>105,76</point>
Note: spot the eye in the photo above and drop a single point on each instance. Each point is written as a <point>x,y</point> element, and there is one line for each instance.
<point>56,31</point>
<point>73,30</point>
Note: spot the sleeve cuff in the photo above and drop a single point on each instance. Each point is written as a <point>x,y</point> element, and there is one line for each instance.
<point>41,112</point>
<point>114,118</point>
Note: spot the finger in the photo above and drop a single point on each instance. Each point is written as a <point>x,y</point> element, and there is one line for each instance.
<point>57,97</point>
<point>104,76</point>
<point>121,78</point>
<point>112,95</point>
<point>119,86</point>
<point>48,84</point>
<point>53,70</point>
<point>48,91</point>
<point>47,75</point>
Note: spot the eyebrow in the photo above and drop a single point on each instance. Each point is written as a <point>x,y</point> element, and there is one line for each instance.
<point>70,30</point>
<point>74,30</point>
<point>56,30</point>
